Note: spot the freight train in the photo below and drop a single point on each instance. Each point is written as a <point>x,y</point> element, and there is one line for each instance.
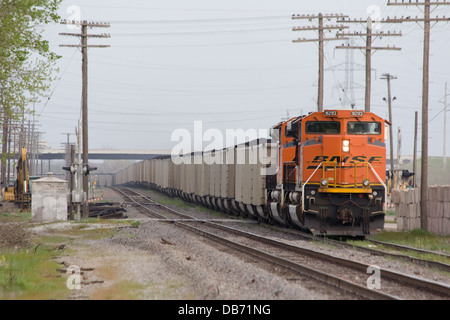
<point>322,172</point>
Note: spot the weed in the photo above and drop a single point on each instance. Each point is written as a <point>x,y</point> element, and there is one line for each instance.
<point>30,274</point>
<point>135,224</point>
<point>417,238</point>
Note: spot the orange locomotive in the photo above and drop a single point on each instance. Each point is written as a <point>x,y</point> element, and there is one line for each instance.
<point>330,173</point>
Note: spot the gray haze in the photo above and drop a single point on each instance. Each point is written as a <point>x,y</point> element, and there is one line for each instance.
<point>230,64</point>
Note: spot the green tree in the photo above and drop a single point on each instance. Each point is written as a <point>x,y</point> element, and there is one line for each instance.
<point>26,62</point>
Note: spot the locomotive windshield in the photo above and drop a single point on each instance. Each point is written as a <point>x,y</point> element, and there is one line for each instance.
<point>363,127</point>
<point>324,127</point>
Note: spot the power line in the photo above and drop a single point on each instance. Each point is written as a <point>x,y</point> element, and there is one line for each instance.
<point>196,33</point>
<point>321,28</point>
<point>218,20</point>
<point>224,44</point>
<point>192,68</point>
<point>370,36</point>
<point>57,82</point>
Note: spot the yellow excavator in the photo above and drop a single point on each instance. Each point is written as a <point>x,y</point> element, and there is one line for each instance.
<point>21,191</point>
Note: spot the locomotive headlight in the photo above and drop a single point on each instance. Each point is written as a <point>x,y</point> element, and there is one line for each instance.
<point>324,182</point>
<point>346,145</point>
<point>366,182</point>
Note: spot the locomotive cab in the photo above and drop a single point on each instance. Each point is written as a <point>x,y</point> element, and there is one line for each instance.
<point>330,172</point>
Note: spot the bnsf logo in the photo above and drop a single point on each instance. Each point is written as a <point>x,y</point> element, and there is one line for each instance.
<point>346,159</point>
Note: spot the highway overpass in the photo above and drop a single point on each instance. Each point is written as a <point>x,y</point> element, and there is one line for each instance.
<point>105,154</point>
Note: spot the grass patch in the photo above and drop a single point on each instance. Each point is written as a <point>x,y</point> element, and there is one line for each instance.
<point>15,216</point>
<point>416,238</point>
<point>180,203</point>
<point>86,233</point>
<point>135,224</point>
<point>30,274</point>
<point>390,213</point>
<point>177,202</point>
<point>28,269</point>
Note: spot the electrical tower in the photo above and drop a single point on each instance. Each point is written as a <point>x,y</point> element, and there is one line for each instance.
<point>370,36</point>
<point>349,67</point>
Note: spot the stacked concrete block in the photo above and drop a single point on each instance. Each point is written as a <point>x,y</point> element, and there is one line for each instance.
<point>407,208</point>
<point>439,209</point>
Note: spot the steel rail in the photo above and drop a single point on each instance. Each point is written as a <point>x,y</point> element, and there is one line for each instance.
<point>296,267</point>
<point>433,286</point>
<point>428,285</point>
<point>279,261</point>
<point>408,248</point>
<point>421,262</point>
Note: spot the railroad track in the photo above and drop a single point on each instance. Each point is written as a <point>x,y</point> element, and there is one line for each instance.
<point>379,252</point>
<point>343,274</point>
<point>411,249</point>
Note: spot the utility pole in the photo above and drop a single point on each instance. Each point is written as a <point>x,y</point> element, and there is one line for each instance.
<point>444,147</point>
<point>84,49</point>
<point>8,178</point>
<point>425,86</point>
<point>321,42</point>
<point>416,124</point>
<point>388,77</point>
<point>72,178</point>
<point>368,49</point>
<point>399,156</point>
<point>4,142</point>
<point>444,160</point>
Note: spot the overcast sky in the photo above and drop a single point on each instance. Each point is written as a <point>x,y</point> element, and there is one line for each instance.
<point>230,64</point>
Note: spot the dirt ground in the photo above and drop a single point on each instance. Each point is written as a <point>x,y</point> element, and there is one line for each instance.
<point>155,260</point>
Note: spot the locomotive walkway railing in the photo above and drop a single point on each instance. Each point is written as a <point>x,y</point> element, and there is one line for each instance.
<point>334,164</point>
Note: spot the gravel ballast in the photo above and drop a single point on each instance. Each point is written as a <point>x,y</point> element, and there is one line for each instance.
<point>157,260</point>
